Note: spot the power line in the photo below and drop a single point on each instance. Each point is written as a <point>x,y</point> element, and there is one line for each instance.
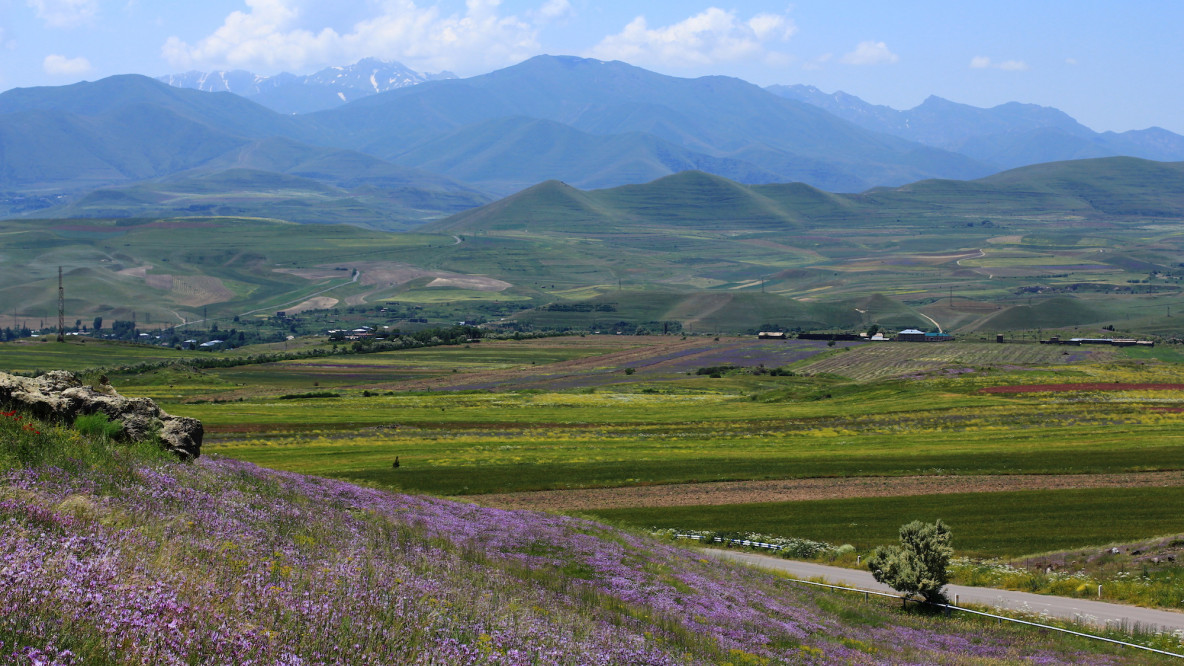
<point>61,308</point>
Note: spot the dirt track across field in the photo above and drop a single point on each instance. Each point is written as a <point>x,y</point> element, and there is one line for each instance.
<point>794,490</point>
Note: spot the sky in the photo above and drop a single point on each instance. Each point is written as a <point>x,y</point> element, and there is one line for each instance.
<point>1112,66</point>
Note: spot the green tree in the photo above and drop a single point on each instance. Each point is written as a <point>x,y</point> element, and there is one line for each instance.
<point>919,564</point>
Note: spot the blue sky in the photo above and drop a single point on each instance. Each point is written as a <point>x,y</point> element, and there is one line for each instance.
<point>1113,66</point>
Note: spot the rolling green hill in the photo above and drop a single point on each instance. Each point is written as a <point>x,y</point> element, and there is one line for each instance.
<point>1084,239</point>
<point>1124,188</point>
<point>1092,244</point>
<point>688,200</point>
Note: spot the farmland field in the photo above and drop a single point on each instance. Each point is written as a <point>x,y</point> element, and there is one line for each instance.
<point>722,419</point>
<point>896,359</point>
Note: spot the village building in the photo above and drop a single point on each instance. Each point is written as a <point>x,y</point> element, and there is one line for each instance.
<point>914,335</point>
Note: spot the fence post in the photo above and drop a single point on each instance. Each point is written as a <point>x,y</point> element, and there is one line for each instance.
<point>1099,591</point>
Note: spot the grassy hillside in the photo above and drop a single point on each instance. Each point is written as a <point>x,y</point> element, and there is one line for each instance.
<point>1069,244</point>
<point>170,271</point>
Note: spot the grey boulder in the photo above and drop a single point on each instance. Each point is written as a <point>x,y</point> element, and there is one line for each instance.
<point>61,396</point>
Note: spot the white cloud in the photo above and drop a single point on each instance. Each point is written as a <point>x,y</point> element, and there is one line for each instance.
<point>58,65</point>
<point>709,37</point>
<point>278,34</point>
<point>983,62</point>
<point>64,13</point>
<point>768,27</point>
<point>870,53</point>
<point>554,9</point>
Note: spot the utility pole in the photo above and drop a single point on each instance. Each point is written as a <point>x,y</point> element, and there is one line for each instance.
<point>61,308</point>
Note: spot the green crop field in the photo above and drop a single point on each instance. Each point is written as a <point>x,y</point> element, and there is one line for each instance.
<point>1005,524</point>
<point>478,443</point>
<point>46,354</point>
<point>676,428</point>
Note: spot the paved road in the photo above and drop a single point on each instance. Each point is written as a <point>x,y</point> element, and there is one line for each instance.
<point>1093,612</point>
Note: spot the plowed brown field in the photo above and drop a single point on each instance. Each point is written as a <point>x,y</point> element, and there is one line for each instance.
<point>795,490</point>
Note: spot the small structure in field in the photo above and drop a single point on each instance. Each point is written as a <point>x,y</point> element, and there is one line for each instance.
<point>914,335</point>
<point>771,335</point>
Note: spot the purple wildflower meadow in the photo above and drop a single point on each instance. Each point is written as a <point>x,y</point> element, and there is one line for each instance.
<point>223,562</point>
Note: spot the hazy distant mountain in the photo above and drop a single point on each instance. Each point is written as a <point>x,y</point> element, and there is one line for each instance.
<point>174,151</point>
<point>1006,136</point>
<point>544,150</point>
<point>328,88</point>
<point>281,178</point>
<point>122,129</point>
<point>721,118</point>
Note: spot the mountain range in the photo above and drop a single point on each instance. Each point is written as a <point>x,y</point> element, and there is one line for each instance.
<point>395,158</point>
<point>1006,136</point>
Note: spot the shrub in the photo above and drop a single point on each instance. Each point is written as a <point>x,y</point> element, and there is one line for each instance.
<point>919,564</point>
<point>715,370</point>
<point>98,426</point>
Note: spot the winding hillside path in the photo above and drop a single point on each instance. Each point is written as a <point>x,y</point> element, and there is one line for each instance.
<point>1098,613</point>
<point>932,321</point>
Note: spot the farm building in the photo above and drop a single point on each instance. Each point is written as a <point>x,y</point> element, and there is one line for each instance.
<point>1115,342</point>
<point>771,335</point>
<point>913,335</point>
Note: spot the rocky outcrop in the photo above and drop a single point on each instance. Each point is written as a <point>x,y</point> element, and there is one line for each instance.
<point>60,396</point>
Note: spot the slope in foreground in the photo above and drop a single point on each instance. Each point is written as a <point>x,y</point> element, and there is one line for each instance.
<point>124,559</point>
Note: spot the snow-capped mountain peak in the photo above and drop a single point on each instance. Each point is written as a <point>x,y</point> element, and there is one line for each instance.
<point>290,93</point>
